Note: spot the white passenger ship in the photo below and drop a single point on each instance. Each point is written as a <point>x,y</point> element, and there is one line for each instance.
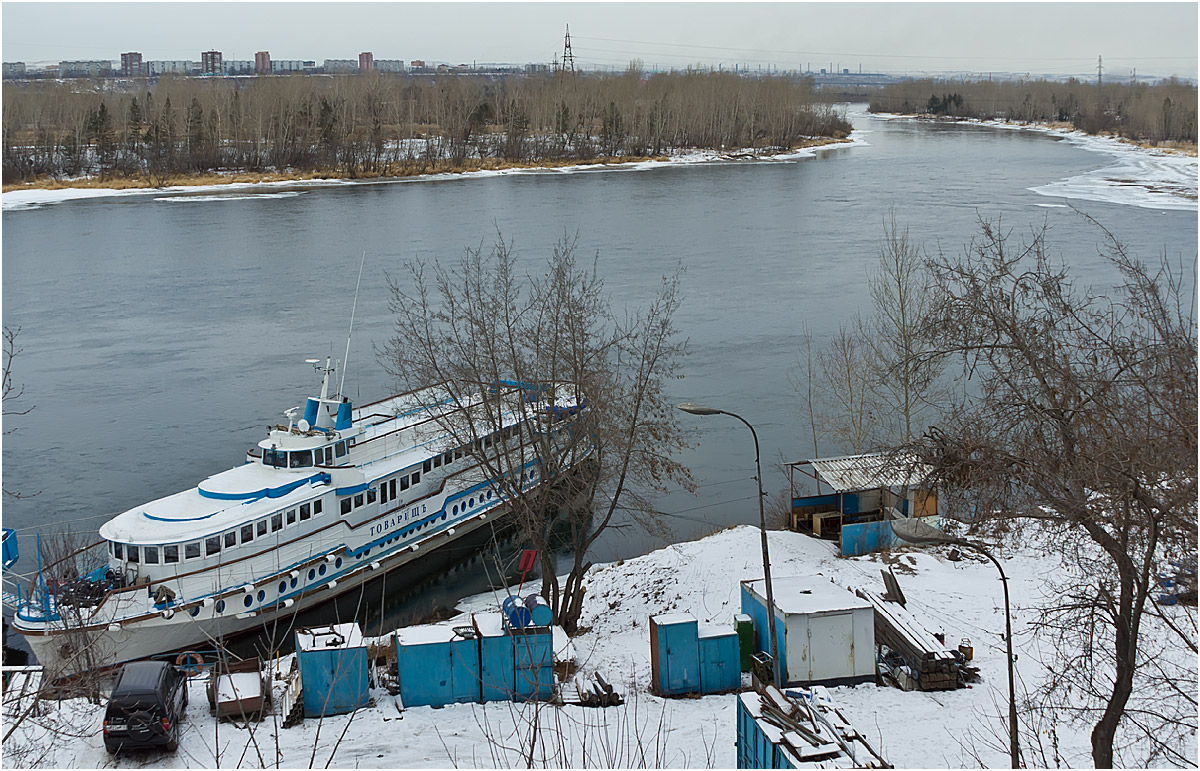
<point>320,506</point>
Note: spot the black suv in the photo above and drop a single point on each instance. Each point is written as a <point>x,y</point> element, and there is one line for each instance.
<point>148,702</point>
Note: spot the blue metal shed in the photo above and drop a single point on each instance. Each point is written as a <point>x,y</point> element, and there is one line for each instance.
<point>533,656</point>
<point>674,654</point>
<point>720,661</point>
<point>437,666</point>
<point>333,669</point>
<point>497,659</point>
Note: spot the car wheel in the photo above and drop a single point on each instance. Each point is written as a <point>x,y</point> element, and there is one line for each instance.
<point>173,743</point>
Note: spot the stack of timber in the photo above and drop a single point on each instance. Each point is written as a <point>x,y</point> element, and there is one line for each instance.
<point>805,727</point>
<point>927,662</point>
<point>597,693</point>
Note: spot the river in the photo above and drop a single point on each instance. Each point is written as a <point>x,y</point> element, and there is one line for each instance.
<point>161,332</point>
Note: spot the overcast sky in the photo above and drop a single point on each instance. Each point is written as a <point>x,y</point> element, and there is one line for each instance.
<point>1060,38</point>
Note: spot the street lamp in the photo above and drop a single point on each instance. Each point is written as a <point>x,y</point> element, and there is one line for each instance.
<point>916,531</point>
<point>699,409</point>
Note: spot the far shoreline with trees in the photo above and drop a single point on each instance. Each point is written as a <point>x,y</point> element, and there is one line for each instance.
<point>198,131</point>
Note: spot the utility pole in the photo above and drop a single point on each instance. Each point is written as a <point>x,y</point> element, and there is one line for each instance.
<point>1099,70</point>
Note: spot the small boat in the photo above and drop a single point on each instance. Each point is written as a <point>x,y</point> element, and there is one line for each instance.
<point>319,507</point>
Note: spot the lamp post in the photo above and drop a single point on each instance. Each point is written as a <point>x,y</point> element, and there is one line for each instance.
<point>699,409</point>
<point>916,531</point>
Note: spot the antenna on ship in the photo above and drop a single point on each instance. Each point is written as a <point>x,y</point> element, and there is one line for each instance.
<point>353,308</point>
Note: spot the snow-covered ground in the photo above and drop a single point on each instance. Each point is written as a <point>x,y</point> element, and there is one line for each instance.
<point>912,729</point>
<point>29,199</point>
<point>1135,176</point>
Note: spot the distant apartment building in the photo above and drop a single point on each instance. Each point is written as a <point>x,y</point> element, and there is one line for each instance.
<point>210,63</point>
<point>293,65</point>
<point>131,64</point>
<point>158,67</point>
<point>366,61</point>
<point>237,67</point>
<point>418,64</point>
<point>537,69</point>
<point>14,69</point>
<point>85,69</point>
<point>340,65</point>
<point>389,65</point>
<point>262,62</point>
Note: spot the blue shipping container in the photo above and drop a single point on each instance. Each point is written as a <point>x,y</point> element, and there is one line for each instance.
<point>758,742</point>
<point>497,658</point>
<point>674,654</point>
<point>436,667</point>
<point>533,658</point>
<point>720,662</point>
<point>333,669</point>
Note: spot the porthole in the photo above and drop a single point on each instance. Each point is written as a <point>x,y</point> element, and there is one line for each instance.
<point>367,553</point>
<point>220,606</point>
<point>456,508</point>
<point>471,504</point>
<point>283,586</point>
<point>443,517</point>
<point>338,563</point>
<point>294,581</point>
<point>194,611</point>
<point>248,601</point>
<point>321,570</point>
<point>262,595</point>
<point>312,574</point>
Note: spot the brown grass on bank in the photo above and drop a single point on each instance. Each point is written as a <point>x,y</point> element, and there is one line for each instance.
<point>398,170</point>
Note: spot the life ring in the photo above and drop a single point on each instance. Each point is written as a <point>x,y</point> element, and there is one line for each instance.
<point>190,661</point>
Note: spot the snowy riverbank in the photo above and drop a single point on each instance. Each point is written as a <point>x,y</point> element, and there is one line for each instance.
<point>912,729</point>
<point>1135,176</point>
<point>17,200</point>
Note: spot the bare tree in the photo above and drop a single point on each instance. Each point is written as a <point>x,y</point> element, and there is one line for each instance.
<point>1083,420</point>
<point>502,344</point>
<point>906,370</point>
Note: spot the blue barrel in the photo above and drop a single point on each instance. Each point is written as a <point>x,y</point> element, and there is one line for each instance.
<point>539,610</point>
<point>518,615</point>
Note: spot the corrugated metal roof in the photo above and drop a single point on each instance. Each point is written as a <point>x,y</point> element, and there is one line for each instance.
<point>870,471</point>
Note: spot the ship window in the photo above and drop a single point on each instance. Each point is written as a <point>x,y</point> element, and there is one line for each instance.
<point>316,507</point>
<point>191,550</point>
<point>262,595</point>
<point>383,492</point>
<point>212,546</point>
<point>291,516</point>
<point>403,483</point>
<point>282,587</point>
<point>346,504</point>
<point>248,601</point>
<point>247,533</point>
<point>170,554</point>
<point>370,496</point>
<point>427,465</point>
<point>301,459</point>
<point>448,457</point>
<point>231,539</point>
<point>133,553</point>
<point>339,449</point>
<point>392,489</point>
<point>358,500</point>
<point>261,527</point>
<point>220,606</point>
<point>304,511</point>
<point>329,456</point>
<point>321,569</point>
<point>437,462</point>
<point>276,522</point>
<point>118,550</point>
<point>150,554</point>
<point>416,477</point>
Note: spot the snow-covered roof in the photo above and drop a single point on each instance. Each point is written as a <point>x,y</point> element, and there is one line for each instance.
<point>334,637</point>
<point>808,594</point>
<point>870,471</point>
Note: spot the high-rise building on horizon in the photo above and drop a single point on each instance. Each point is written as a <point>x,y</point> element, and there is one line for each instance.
<point>366,61</point>
<point>262,62</point>
<point>210,63</point>
<point>131,64</point>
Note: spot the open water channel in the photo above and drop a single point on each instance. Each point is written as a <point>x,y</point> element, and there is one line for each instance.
<point>161,332</point>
